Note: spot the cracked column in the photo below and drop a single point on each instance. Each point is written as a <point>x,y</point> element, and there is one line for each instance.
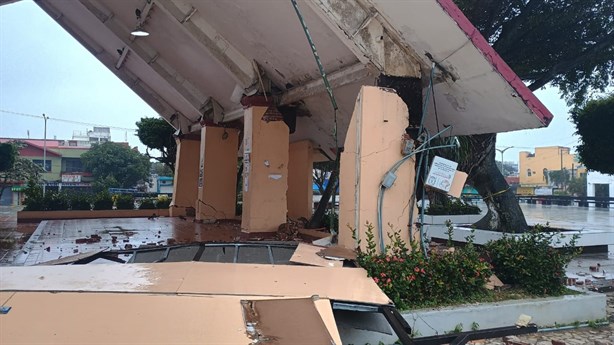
<point>185,186</point>
<point>300,180</point>
<point>372,146</point>
<point>265,170</point>
<point>217,181</point>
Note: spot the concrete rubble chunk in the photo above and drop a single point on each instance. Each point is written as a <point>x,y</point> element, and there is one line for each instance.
<point>513,340</point>
<point>602,342</point>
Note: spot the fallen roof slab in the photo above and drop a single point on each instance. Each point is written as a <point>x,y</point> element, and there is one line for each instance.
<point>343,284</point>
<point>107,318</point>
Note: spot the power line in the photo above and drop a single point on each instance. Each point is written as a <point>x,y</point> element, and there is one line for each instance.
<point>66,121</point>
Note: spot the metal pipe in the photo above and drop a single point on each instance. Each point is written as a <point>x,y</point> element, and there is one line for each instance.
<point>45,117</point>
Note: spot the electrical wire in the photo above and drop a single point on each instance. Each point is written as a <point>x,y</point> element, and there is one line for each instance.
<point>65,121</point>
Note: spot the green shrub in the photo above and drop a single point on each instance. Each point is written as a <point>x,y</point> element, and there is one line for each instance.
<point>331,220</point>
<point>103,201</point>
<point>124,202</point>
<point>34,197</point>
<point>80,201</point>
<point>56,201</point>
<point>530,261</point>
<point>411,280</point>
<point>456,207</point>
<point>147,204</point>
<point>163,201</point>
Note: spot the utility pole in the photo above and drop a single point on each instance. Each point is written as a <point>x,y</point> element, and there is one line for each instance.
<point>502,152</point>
<point>45,117</point>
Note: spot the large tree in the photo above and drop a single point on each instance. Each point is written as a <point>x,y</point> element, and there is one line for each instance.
<point>594,123</point>
<point>118,163</point>
<point>20,169</point>
<point>568,44</point>
<point>8,154</point>
<point>157,134</point>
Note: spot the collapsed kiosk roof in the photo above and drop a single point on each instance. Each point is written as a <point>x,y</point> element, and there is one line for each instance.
<point>199,53</point>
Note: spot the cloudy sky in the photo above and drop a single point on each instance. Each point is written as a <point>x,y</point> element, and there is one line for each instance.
<point>44,70</point>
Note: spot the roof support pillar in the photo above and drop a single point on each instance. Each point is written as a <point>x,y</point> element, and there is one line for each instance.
<point>185,183</point>
<point>300,180</point>
<point>217,176</point>
<point>265,171</point>
<point>372,147</point>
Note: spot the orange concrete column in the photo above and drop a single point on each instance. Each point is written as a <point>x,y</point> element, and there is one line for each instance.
<point>372,146</point>
<point>217,181</point>
<point>265,172</point>
<point>300,180</point>
<point>185,182</point>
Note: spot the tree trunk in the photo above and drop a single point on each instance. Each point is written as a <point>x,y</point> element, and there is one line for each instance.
<point>331,187</point>
<point>504,212</point>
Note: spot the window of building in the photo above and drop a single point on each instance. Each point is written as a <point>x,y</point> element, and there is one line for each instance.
<point>47,166</point>
<point>529,172</point>
<point>73,165</point>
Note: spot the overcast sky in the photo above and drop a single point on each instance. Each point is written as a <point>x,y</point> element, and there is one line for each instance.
<point>44,70</point>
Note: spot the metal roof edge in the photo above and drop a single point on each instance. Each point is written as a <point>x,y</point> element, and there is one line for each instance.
<point>538,108</point>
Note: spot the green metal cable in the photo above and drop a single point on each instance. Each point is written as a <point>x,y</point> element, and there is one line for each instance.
<point>331,96</point>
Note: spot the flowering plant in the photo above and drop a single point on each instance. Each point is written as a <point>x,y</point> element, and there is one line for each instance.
<point>412,280</point>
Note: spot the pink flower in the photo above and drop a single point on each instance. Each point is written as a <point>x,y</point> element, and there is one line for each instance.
<point>375,280</point>
<point>383,275</point>
<point>416,269</point>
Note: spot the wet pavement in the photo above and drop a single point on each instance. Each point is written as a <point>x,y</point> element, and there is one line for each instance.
<point>570,217</point>
<point>55,239</point>
<point>12,235</point>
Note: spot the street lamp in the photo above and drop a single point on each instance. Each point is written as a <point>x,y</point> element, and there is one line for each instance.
<point>502,152</point>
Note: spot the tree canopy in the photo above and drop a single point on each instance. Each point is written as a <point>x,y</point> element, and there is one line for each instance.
<point>594,123</point>
<point>21,169</point>
<point>8,154</point>
<point>568,44</point>
<point>116,164</point>
<point>157,134</point>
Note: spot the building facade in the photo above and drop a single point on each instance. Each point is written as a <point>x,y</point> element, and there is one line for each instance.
<point>599,185</point>
<point>61,162</point>
<point>536,169</point>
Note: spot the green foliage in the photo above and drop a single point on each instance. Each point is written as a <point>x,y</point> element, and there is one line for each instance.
<point>104,183</point>
<point>411,280</point>
<point>34,197</point>
<point>147,204</point>
<point>80,201</point>
<point>124,202</point>
<point>22,170</point>
<point>55,201</point>
<point>163,201</point>
<point>577,186</point>
<point>559,177</point>
<point>452,208</point>
<point>8,155</point>
<point>112,163</point>
<point>594,123</point>
<point>160,169</point>
<point>530,262</point>
<point>567,43</point>
<point>157,134</point>
<point>51,201</point>
<point>103,201</point>
<point>331,221</point>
